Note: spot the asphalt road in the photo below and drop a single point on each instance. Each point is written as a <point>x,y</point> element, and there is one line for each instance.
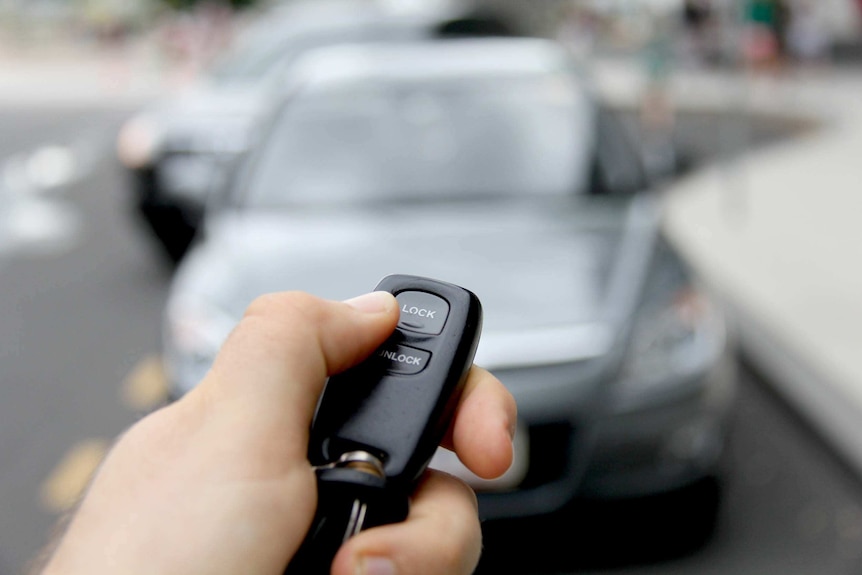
<point>75,322</point>
<point>79,328</point>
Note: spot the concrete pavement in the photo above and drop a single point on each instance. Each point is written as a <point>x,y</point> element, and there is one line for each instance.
<point>79,75</point>
<point>778,233</point>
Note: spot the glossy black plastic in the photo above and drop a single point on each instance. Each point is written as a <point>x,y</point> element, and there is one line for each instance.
<point>401,418</point>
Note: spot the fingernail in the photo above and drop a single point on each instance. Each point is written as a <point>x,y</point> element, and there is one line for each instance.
<point>375,566</point>
<point>374,302</point>
<point>511,428</point>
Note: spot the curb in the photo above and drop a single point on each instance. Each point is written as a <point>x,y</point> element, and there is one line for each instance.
<point>773,334</point>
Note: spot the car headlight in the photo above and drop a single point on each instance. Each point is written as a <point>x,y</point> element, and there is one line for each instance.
<point>138,142</point>
<point>678,332</point>
<point>195,331</point>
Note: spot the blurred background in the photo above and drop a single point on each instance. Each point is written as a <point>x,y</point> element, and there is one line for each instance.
<point>677,178</point>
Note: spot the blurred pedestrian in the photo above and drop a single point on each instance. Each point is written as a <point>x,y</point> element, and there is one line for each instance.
<point>657,114</point>
<point>807,35</point>
<point>783,16</point>
<point>214,30</point>
<point>761,43</point>
<point>578,30</point>
<point>697,19</point>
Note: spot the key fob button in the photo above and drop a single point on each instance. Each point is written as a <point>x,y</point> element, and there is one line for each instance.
<point>402,359</point>
<point>422,312</point>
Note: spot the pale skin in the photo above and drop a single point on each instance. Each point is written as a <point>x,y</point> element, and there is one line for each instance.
<point>218,482</point>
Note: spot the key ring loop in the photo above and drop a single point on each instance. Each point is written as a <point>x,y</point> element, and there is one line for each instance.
<point>359,460</point>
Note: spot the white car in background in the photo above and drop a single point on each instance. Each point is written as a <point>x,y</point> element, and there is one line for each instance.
<point>176,149</point>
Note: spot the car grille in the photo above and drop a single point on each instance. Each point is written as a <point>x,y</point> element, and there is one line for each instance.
<point>550,449</point>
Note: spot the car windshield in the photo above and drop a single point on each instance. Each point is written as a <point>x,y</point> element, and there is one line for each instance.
<point>246,64</point>
<point>441,140</point>
<point>252,54</point>
<point>275,44</point>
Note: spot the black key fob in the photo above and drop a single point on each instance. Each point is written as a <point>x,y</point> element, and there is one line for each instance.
<point>378,424</point>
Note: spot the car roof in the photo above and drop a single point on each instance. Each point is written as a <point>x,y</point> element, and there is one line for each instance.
<point>433,60</point>
<point>311,16</point>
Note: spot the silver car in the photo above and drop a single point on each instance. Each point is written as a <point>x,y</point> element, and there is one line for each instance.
<point>489,164</point>
<point>176,148</point>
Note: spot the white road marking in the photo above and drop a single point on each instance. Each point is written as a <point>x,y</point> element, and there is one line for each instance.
<point>40,227</point>
<point>145,387</point>
<point>52,166</point>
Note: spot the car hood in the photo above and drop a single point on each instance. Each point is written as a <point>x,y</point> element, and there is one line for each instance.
<point>535,268</point>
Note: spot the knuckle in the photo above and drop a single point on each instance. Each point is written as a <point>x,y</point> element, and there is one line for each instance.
<point>462,544</point>
<point>281,323</point>
<point>283,313</point>
<point>263,305</point>
<point>451,559</point>
<point>470,502</point>
<point>458,556</point>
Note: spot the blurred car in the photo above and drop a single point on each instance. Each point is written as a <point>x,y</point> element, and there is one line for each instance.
<point>176,149</point>
<point>486,163</point>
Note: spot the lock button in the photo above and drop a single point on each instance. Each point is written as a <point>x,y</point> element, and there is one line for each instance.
<point>422,312</point>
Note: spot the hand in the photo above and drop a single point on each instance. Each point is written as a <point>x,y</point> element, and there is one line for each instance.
<point>219,482</point>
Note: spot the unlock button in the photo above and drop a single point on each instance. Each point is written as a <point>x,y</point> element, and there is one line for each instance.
<point>402,359</point>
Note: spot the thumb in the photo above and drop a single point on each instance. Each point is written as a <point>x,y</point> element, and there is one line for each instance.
<point>277,359</point>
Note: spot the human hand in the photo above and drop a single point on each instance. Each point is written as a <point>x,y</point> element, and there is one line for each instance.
<point>219,481</point>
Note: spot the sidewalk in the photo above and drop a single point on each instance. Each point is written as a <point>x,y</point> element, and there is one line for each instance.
<point>778,234</point>
<point>69,75</point>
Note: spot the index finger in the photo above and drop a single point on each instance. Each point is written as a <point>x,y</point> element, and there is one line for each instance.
<point>483,426</point>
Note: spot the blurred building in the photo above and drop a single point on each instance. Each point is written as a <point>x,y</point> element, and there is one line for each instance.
<point>34,23</point>
<point>624,24</point>
<point>542,18</point>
